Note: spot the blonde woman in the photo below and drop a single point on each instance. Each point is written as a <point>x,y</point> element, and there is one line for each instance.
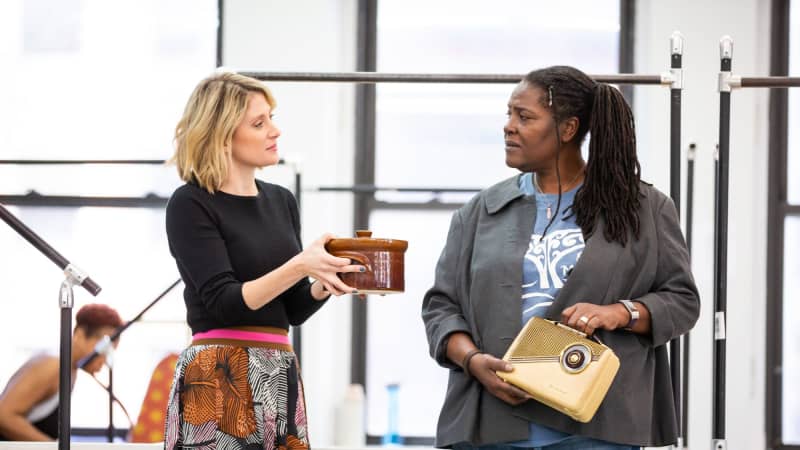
<point>236,241</point>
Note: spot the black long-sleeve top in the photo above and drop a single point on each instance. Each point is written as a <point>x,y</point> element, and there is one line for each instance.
<point>220,241</point>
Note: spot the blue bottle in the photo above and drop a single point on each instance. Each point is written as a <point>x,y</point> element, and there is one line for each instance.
<point>392,435</point>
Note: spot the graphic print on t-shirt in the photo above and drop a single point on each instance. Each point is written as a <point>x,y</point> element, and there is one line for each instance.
<point>548,262</point>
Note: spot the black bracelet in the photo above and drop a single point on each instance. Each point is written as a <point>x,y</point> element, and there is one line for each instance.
<point>467,359</point>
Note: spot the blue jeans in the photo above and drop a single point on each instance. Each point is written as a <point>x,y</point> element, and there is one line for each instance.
<point>571,443</point>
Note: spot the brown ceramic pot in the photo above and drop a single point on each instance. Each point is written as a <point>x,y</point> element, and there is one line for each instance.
<point>383,258</point>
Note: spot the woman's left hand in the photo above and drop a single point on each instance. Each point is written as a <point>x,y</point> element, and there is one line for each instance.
<point>588,317</point>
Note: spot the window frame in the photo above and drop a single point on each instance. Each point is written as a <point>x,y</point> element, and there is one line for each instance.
<point>778,210</point>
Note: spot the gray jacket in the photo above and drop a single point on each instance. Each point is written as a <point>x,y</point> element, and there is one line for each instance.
<point>478,290</point>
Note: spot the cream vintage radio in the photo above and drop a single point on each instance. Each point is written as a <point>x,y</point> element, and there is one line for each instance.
<point>561,367</point>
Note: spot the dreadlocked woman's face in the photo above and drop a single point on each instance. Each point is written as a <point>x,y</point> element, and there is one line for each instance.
<point>530,134</point>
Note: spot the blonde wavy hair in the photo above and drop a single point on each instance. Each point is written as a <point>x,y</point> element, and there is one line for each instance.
<point>214,110</point>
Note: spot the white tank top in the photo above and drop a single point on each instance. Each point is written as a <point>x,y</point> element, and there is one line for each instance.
<point>43,409</point>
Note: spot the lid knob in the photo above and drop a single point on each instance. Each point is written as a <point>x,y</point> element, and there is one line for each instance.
<point>363,233</point>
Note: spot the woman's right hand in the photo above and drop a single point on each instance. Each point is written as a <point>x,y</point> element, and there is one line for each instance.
<point>484,366</point>
<point>317,263</point>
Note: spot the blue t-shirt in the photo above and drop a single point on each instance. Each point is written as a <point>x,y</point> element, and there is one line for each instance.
<point>545,268</point>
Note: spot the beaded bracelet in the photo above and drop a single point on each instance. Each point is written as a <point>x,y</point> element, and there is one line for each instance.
<point>467,358</point>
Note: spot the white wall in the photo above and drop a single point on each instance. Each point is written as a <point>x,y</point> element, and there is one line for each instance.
<point>702,24</point>
<point>317,124</point>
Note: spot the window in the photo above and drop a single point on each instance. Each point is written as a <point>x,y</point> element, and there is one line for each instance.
<point>791,260</point>
<point>94,106</point>
<point>449,136</point>
<point>793,154</point>
<point>791,333</point>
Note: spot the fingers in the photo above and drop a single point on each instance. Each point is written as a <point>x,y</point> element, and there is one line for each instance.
<point>588,317</point>
<point>517,393</point>
<point>335,285</point>
<point>578,316</point>
<point>322,240</point>
<point>336,262</point>
<point>331,289</point>
<point>582,322</point>
<point>567,314</point>
<point>509,398</point>
<point>506,391</point>
<point>338,291</point>
<point>497,364</point>
<point>572,319</point>
<point>333,264</point>
<point>352,268</point>
<point>591,326</point>
<point>484,368</point>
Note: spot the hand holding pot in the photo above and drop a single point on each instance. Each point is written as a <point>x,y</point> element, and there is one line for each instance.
<point>384,260</point>
<point>317,263</point>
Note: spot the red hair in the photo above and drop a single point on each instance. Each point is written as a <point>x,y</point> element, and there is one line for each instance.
<point>94,316</point>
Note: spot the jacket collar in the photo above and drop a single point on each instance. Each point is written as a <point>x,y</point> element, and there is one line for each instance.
<point>502,194</point>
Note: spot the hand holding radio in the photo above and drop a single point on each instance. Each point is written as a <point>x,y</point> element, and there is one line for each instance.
<point>588,317</point>
<point>483,367</point>
<point>462,351</point>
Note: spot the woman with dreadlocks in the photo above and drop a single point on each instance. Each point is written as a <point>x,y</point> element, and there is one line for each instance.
<point>586,243</point>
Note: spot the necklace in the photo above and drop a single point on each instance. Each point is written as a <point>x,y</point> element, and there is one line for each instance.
<point>565,188</point>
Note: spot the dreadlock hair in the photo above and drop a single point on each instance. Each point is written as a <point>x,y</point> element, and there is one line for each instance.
<point>611,186</point>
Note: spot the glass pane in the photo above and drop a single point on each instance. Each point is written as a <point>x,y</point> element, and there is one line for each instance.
<point>508,36</point>
<point>791,333</point>
<point>456,128</point>
<point>123,250</point>
<point>124,72</point>
<point>397,349</point>
<point>793,166</point>
<point>422,129</point>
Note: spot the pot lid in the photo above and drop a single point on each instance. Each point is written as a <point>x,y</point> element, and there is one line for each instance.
<point>365,241</point>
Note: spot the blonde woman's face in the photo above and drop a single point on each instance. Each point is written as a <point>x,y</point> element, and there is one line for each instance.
<point>255,139</point>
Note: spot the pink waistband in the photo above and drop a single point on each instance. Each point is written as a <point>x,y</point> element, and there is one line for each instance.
<point>223,333</point>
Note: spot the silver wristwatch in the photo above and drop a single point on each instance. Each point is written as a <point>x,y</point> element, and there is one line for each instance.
<point>631,307</point>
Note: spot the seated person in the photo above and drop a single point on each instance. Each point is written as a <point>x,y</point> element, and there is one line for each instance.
<point>29,402</point>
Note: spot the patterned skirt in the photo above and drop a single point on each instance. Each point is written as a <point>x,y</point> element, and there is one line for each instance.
<point>237,388</point>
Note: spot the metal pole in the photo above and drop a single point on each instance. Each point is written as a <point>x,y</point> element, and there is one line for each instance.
<point>297,332</point>
<point>774,82</point>
<point>364,170</point>
<point>371,189</point>
<point>110,431</point>
<point>686,341</point>
<point>60,162</point>
<point>376,77</point>
<point>676,44</point>
<point>721,245</point>
<point>70,270</point>
<point>72,162</point>
<point>66,300</point>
